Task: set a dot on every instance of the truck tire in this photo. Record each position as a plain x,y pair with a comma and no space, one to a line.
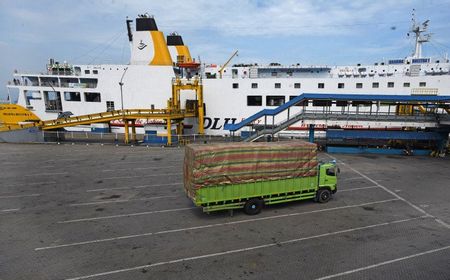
323,195
253,206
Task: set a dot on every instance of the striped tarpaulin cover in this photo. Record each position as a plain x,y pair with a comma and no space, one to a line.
234,163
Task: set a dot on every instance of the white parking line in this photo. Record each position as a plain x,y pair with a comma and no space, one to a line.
125,215
133,187
143,162
29,184
138,168
9,210
355,189
213,225
351,178
394,194
19,196
383,263
267,245
140,176
121,200
47,174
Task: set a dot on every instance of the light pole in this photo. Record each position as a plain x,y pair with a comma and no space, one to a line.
121,85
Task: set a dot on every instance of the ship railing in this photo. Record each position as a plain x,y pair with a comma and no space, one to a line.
118,138
340,115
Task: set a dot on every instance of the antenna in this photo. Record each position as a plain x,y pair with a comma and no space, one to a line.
420,38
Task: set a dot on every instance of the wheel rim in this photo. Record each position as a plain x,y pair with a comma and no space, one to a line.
324,196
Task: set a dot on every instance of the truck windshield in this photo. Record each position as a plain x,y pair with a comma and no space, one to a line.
331,172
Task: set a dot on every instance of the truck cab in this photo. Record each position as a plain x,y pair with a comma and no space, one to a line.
328,176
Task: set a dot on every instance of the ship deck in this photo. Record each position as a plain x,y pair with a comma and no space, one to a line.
107,212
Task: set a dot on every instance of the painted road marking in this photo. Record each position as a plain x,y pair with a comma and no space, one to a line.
9,210
263,246
47,174
355,189
351,178
143,162
19,196
139,168
30,184
126,215
133,187
395,194
121,200
140,176
214,225
383,263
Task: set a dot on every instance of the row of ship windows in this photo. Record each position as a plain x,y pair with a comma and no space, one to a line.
68,96
278,100
95,72
88,96
340,85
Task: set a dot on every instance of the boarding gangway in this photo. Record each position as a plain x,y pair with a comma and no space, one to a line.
432,112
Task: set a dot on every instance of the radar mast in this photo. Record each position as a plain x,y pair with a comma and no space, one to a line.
420,38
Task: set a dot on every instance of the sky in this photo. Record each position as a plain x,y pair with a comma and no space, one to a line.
325,32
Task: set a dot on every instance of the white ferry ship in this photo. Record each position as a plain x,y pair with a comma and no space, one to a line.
231,93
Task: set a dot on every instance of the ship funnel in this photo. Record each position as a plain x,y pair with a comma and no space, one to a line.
178,51
148,46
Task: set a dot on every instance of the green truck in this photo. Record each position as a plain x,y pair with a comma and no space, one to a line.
230,176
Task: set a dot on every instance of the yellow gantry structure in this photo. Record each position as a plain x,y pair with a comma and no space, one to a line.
13,116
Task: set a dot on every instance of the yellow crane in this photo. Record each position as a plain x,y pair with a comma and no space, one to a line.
226,63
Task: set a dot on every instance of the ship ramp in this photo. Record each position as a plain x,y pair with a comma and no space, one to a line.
14,117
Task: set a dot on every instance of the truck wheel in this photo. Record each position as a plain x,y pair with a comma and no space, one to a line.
253,206
323,195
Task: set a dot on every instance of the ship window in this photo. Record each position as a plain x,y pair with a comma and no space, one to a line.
341,85
254,100
72,96
289,73
320,85
277,85
274,74
235,85
274,100
254,85
390,84
359,85
406,84
87,71
110,106
361,103
422,84
92,97
341,103
52,101
95,72
297,85
301,103
375,85
77,70
88,83
31,94
322,103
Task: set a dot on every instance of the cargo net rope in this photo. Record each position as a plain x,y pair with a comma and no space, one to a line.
237,163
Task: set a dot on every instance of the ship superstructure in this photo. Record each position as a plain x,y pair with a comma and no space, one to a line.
231,93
